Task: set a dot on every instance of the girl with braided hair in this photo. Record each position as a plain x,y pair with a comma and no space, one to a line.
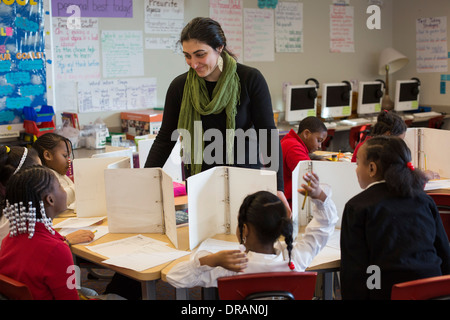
262,219
34,253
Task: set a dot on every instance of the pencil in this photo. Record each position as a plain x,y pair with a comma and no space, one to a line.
306,196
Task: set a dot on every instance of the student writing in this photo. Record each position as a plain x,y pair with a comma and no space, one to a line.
262,220
393,224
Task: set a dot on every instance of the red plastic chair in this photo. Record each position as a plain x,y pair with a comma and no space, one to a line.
327,141
442,201
14,290
436,122
278,285
358,133
423,289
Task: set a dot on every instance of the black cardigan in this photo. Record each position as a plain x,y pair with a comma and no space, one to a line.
254,111
404,237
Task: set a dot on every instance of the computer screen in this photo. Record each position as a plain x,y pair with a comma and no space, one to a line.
301,101
407,95
370,94
336,100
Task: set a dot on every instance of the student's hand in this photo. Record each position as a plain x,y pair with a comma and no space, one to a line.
233,260
283,199
431,175
313,187
80,236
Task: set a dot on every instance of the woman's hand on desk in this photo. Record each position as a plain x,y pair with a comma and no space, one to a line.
233,260
80,236
431,175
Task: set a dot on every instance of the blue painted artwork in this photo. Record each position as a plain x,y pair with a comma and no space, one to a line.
22,59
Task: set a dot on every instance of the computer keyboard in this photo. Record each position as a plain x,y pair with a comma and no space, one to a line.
355,121
330,125
426,114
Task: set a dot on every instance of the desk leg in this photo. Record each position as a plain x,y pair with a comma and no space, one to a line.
328,286
181,294
148,290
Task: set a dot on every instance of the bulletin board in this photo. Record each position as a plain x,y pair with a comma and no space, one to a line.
23,77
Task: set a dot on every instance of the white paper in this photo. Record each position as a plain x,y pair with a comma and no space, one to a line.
213,245
99,231
431,44
78,222
123,53
342,29
437,184
259,35
164,17
289,27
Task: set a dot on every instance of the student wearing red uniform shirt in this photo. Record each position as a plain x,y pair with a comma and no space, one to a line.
34,253
296,147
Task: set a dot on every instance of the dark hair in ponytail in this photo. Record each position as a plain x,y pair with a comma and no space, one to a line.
392,155
388,121
265,212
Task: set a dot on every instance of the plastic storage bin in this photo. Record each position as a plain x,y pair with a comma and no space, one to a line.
44,115
38,129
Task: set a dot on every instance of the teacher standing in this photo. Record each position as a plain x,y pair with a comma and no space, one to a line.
217,93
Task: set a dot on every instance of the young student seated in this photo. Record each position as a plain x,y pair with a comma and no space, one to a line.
393,225
34,253
262,220
12,160
390,123
296,147
55,153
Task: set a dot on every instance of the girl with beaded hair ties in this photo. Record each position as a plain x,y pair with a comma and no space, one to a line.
34,253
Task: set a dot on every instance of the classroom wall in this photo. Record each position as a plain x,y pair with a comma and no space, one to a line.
315,61
406,12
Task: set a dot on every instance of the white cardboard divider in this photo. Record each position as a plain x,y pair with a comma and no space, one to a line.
88,174
215,195
339,176
430,149
116,152
140,201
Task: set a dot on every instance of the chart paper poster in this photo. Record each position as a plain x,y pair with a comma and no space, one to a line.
342,29
93,8
229,14
259,35
431,44
289,27
164,17
22,59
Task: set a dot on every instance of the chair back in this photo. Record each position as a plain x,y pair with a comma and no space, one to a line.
423,289
358,134
14,290
275,285
442,201
436,122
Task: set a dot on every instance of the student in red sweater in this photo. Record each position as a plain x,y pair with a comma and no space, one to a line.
34,253
296,147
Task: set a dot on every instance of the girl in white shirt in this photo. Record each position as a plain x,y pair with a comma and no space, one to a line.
262,220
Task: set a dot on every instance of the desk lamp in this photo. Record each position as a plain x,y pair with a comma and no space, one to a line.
390,61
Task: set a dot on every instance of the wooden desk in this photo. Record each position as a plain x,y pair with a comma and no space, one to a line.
147,277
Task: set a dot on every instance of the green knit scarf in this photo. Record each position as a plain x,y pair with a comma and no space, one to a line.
196,102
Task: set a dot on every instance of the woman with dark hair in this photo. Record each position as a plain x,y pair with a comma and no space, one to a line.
392,226
262,220
221,96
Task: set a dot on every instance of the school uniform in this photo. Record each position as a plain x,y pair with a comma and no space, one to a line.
294,150
403,237
40,262
189,274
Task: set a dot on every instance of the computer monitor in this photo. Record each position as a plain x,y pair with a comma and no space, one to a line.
301,102
370,94
336,100
407,95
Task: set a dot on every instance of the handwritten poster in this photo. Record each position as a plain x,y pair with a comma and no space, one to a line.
94,8
164,17
22,60
259,35
342,29
115,95
289,27
76,52
122,53
229,14
431,44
